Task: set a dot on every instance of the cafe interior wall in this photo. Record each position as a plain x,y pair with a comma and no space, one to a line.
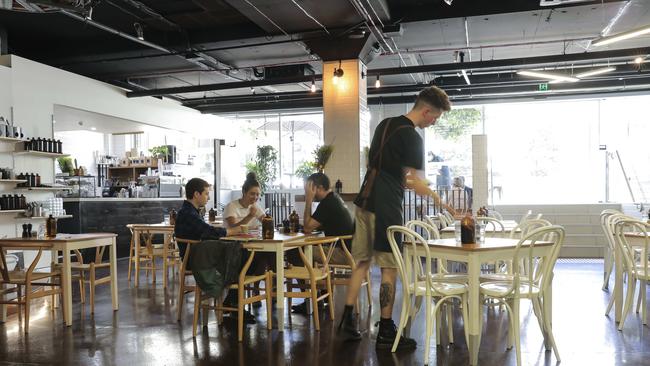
31,90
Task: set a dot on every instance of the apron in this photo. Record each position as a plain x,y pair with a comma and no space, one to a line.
388,197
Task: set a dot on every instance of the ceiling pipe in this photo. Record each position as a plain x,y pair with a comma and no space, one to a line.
529,62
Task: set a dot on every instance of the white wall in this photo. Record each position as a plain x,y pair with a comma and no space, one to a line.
81,145
32,89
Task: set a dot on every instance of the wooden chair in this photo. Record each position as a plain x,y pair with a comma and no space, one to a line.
28,279
311,274
184,288
132,249
341,273
81,268
245,283
150,252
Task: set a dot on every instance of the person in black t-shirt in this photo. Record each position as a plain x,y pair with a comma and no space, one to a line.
396,155
331,216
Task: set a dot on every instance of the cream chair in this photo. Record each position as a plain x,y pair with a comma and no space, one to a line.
608,254
635,262
532,286
422,283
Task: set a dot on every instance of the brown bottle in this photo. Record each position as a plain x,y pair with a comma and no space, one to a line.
294,222
267,227
212,215
467,229
50,227
172,217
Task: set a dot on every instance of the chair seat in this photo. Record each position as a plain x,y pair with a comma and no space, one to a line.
640,273
86,266
452,277
503,289
438,288
19,277
302,273
498,277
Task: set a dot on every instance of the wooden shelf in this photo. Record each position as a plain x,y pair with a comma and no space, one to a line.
133,167
44,188
11,211
11,139
43,217
12,181
41,153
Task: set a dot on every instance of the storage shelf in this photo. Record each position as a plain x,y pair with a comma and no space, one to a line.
133,167
41,153
44,188
42,217
12,181
11,139
11,211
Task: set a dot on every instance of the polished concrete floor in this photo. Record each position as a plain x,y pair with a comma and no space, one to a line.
145,332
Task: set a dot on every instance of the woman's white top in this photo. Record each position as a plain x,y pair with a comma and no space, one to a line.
236,210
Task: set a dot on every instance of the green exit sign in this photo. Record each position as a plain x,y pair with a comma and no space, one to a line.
543,87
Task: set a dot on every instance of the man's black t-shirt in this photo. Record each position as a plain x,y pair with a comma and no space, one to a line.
334,218
403,149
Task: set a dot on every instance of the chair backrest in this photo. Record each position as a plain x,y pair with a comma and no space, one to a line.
632,258
432,220
318,243
517,232
415,240
494,213
525,216
494,227
449,216
530,225
423,227
188,244
4,271
444,220
536,269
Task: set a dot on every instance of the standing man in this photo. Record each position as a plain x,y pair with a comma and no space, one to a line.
396,154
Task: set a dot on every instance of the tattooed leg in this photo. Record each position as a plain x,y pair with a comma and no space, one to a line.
387,292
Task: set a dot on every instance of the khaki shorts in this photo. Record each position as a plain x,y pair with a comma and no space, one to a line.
363,241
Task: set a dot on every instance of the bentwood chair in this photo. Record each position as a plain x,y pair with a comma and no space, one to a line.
608,254
422,283
532,285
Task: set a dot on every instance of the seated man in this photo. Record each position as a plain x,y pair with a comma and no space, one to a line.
331,216
190,225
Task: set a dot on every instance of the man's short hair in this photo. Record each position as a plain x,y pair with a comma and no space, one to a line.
195,185
434,97
320,180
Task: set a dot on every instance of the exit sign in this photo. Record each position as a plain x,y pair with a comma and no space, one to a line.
543,87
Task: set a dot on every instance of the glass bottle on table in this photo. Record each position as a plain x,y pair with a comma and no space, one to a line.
267,226
50,227
468,229
294,222
172,217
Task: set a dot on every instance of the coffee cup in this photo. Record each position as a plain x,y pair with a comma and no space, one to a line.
244,229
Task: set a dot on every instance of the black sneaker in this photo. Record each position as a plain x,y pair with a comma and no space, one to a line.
300,308
248,317
348,326
386,337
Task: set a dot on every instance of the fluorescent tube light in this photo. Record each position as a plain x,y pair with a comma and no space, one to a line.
546,75
466,77
621,36
594,72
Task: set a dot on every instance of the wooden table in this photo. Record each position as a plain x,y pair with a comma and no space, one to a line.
474,254
277,246
65,243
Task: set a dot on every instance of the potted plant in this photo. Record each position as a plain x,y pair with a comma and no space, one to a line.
322,155
66,166
159,152
265,165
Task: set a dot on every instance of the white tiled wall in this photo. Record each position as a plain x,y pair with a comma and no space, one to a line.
584,236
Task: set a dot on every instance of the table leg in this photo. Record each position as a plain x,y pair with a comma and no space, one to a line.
474,328
618,285
67,287
279,285
166,242
113,260
136,254
3,307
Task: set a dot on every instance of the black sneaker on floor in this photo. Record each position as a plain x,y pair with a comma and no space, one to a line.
386,337
248,317
299,309
348,327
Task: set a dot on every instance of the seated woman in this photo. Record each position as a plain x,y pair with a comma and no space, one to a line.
245,210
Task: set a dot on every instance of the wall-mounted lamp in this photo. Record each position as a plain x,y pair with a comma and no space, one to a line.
338,73
138,31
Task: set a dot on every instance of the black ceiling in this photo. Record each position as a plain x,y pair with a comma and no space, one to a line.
210,35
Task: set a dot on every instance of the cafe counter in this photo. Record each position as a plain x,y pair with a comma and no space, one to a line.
91,215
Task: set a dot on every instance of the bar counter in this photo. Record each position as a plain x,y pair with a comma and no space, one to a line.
91,215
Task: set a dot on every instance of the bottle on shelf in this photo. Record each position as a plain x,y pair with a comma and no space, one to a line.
50,227
468,229
25,232
212,215
59,147
37,180
39,144
22,202
294,222
339,186
172,217
267,226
